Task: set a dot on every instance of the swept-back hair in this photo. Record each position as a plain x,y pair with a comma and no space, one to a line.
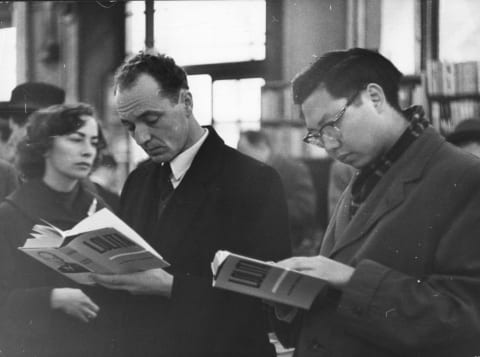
161,67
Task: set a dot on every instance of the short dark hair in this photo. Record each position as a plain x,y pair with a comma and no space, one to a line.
161,67
345,72
42,126
255,138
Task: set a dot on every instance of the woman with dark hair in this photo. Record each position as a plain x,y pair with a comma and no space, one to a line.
43,313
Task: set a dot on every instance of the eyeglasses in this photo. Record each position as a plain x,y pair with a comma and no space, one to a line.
329,133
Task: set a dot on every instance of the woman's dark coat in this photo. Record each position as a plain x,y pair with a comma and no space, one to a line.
28,326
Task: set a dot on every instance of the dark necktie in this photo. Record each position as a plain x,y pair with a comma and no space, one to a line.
166,188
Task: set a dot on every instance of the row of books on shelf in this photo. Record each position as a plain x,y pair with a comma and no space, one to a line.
277,102
288,141
446,116
411,95
448,78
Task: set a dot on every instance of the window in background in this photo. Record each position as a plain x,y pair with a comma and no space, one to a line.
237,107
398,38
459,37
203,32
201,89
222,38
8,66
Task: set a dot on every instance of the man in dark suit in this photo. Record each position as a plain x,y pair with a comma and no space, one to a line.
401,254
194,197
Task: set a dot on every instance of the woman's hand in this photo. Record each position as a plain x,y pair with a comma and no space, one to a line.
74,303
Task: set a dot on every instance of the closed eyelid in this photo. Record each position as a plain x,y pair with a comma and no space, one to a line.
150,116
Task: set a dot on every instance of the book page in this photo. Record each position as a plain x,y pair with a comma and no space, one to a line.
115,252
107,219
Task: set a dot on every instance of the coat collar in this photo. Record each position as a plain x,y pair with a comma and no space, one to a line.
388,194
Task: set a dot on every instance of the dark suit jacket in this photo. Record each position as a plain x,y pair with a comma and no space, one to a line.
415,246
8,179
225,201
28,325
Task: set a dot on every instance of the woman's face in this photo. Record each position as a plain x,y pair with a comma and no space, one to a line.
71,156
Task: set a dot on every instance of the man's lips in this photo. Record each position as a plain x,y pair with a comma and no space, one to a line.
154,151
342,157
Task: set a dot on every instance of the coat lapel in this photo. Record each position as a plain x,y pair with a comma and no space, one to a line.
390,191
338,222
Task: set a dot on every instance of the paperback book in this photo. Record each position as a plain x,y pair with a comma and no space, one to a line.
101,243
265,280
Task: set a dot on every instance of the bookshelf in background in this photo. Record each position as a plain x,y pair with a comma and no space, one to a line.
280,120
453,93
411,91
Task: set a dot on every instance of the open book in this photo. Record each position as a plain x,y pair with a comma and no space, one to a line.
101,243
265,280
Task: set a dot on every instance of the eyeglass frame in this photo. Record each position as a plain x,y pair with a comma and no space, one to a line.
315,136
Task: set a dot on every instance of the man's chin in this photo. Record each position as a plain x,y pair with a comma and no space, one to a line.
159,158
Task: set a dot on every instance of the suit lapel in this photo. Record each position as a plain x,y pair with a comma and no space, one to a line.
391,189
339,222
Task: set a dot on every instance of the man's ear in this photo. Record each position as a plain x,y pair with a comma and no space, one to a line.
377,96
187,99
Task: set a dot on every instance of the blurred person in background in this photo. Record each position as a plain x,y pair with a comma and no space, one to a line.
43,313
467,136
5,133
25,99
298,186
8,179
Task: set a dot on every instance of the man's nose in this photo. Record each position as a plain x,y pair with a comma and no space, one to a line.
141,134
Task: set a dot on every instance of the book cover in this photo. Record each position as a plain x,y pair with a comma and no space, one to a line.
264,280
101,243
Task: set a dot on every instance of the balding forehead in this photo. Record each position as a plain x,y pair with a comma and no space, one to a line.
134,101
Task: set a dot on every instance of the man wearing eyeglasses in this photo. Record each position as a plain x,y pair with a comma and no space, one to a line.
401,255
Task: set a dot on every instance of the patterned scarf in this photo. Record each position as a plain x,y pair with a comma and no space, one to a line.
367,178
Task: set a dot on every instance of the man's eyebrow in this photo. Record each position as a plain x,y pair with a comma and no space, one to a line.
148,112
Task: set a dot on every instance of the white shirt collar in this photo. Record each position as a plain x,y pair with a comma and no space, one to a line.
182,162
